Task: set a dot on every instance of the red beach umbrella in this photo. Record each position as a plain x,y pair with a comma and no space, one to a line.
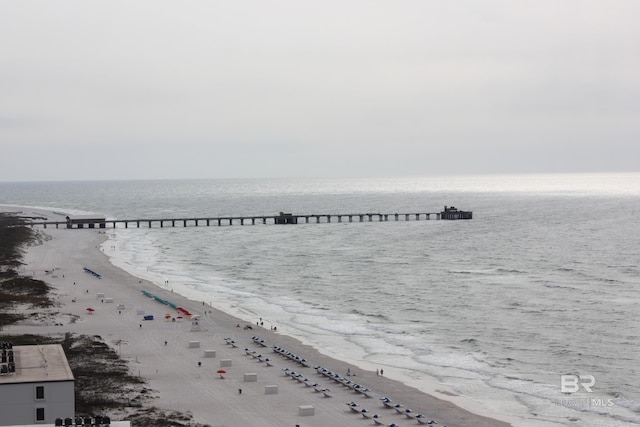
90,310
221,371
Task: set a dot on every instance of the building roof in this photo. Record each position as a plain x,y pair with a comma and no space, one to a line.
38,363
113,424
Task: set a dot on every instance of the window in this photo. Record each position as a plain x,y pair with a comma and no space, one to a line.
40,392
39,414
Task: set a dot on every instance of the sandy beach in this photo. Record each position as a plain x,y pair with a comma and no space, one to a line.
181,362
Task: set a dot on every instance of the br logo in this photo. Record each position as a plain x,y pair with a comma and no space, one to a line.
572,383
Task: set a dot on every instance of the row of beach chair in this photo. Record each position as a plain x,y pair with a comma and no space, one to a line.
420,418
231,342
347,382
291,356
344,381
377,419
326,392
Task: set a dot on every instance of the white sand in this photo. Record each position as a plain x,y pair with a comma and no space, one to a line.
172,369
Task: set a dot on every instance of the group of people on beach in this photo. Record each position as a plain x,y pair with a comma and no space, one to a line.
258,323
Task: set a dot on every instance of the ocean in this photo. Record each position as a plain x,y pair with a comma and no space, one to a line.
530,309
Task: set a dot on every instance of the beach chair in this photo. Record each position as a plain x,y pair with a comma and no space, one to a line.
362,390
399,408
421,419
353,406
377,420
365,413
267,362
316,388
388,403
409,413
326,392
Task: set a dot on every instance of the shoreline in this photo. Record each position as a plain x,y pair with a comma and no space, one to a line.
185,386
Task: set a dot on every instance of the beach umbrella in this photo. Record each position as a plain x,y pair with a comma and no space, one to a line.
90,310
221,371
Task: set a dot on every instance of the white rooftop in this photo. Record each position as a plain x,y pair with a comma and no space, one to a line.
113,424
38,363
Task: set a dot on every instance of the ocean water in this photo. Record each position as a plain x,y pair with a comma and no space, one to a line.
543,282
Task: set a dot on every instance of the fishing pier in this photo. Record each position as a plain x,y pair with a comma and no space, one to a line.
449,213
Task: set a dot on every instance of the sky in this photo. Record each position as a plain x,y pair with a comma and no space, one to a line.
157,89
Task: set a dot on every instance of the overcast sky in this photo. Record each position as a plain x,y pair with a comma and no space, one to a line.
292,88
